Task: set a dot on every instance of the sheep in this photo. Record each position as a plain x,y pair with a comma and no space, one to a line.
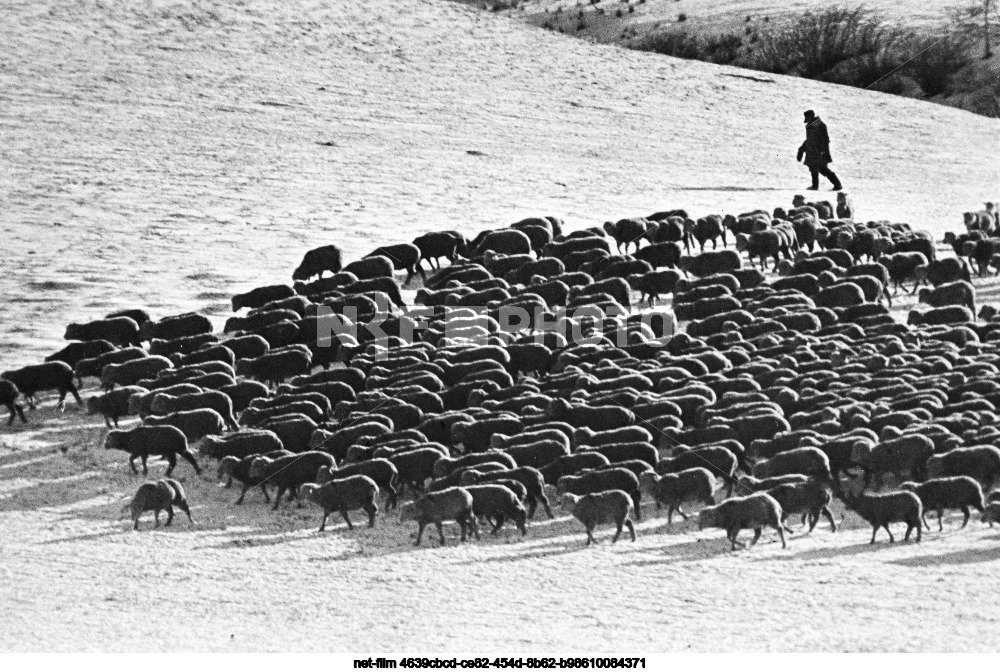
404,256
754,512
78,350
618,288
612,478
902,266
218,401
182,345
437,244
620,452
142,442
810,498
979,462
610,506
585,436
259,296
112,405
956,492
951,269
705,308
416,466
8,397
241,394
343,495
140,404
662,254
707,263
573,463
841,295
708,228
92,366
720,461
529,477
763,244
176,326
196,423
131,372
808,461
537,454
379,469
941,316
750,484
238,468
314,263
959,293
696,484
627,232
120,331
890,507
451,504
162,495
497,503
992,513
597,418
30,380
475,436
274,367
243,443
290,472
446,465
140,316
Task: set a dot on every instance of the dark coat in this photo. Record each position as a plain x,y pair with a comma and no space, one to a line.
817,145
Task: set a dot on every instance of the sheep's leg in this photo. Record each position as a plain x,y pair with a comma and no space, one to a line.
940,513
145,469
131,463
784,518
441,531
498,524
967,513
618,532
350,526
136,526
637,504
322,524
631,528
829,516
757,531
107,422
590,534
474,526
76,395
874,530
781,534
184,507
61,405
420,532
371,510
170,516
681,511
31,401
156,514
545,504
277,499
892,539
267,498
171,463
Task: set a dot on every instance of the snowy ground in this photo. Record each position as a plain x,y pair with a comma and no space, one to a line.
169,154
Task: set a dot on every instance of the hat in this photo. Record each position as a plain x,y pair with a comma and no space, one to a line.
810,115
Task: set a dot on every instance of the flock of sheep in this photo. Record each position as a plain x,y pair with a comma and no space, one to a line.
525,365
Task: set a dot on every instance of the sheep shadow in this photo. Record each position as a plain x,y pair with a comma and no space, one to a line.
91,536
841,551
699,549
534,553
966,557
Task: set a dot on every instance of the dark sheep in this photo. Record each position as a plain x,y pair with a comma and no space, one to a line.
941,316
573,463
497,504
597,418
902,266
379,469
132,371
951,269
659,255
705,308
620,452
764,244
30,380
590,482
451,504
258,296
890,507
183,345
196,424
938,494
289,473
529,477
112,405
611,506
276,366
120,331
808,461
343,495
416,466
93,366
672,490
8,397
74,352
475,436
163,495
140,316
220,402
243,393
438,244
753,512
960,293
708,228
627,232
314,263
811,498
979,462
238,469
143,442
707,263
176,326
241,444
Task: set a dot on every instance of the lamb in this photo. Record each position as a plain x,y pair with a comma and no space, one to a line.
696,484
259,296
195,424
530,478
315,262
274,367
497,504
959,293
162,495
290,472
238,468
754,512
451,504
131,372
176,326
890,507
76,351
343,495
379,469
611,506
112,405
810,498
589,482
979,462
956,492
404,256
241,444
218,401
8,397
30,380
120,331
142,442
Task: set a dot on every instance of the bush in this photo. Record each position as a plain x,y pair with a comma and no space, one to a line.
935,61
671,43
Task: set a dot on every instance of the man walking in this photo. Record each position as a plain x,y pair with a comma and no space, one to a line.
816,150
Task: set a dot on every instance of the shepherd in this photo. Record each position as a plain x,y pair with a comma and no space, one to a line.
816,150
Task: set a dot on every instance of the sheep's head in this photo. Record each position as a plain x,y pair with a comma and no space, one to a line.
470,477
258,467
306,490
161,404
861,451
742,242
991,514
225,466
93,405
569,502
798,200
648,481
949,238
968,248
707,517
409,512
924,296
610,228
